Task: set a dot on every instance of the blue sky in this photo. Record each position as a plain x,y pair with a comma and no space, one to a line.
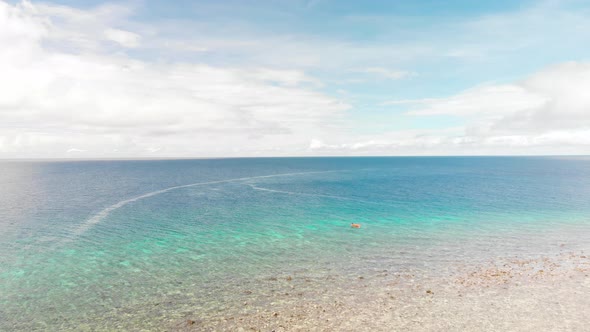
265,78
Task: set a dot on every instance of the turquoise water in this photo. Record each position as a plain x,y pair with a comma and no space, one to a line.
91,244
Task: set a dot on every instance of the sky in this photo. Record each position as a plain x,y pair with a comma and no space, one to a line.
161,79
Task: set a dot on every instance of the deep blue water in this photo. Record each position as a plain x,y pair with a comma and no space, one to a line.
82,241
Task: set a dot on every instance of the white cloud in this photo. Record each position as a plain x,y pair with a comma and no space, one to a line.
484,100
553,99
70,79
565,87
460,143
549,110
125,38
546,113
58,90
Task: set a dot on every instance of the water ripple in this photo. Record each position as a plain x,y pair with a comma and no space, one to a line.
97,218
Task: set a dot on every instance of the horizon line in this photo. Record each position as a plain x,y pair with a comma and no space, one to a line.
287,157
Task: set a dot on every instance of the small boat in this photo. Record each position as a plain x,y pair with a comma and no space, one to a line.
353,225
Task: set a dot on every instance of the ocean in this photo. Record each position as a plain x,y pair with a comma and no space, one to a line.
203,244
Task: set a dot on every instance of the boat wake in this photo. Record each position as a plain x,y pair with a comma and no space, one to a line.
309,194
281,191
97,218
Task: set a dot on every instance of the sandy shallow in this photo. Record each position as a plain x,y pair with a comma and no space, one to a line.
549,293
509,294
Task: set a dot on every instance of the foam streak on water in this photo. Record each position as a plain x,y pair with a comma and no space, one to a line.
308,194
97,218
